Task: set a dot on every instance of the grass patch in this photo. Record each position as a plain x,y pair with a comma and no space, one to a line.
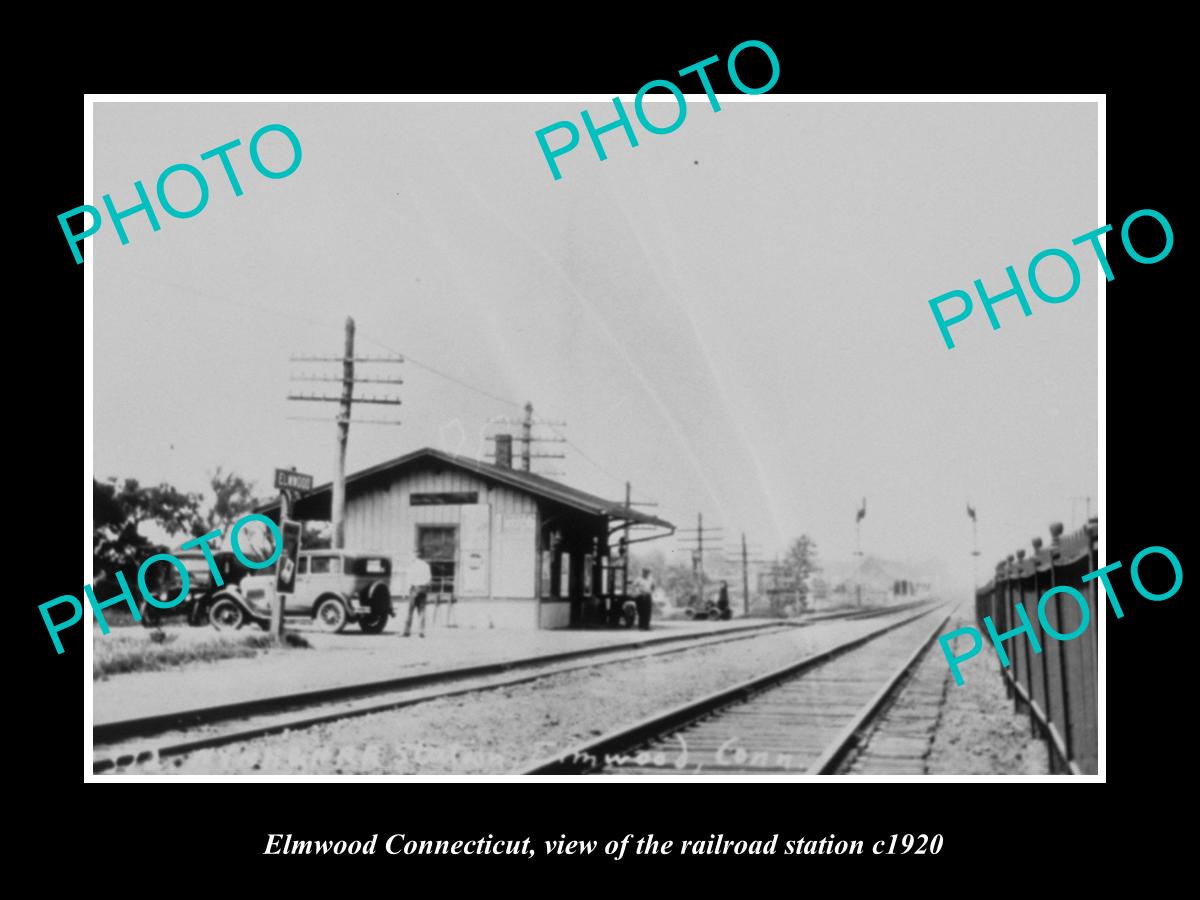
157,649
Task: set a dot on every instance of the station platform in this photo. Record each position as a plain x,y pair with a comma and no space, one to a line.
351,658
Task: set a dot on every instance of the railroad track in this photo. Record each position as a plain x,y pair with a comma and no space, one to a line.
130,741
802,718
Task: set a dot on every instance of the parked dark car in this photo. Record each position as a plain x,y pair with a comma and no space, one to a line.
165,583
333,588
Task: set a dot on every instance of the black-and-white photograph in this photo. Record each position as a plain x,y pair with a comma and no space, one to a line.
477,438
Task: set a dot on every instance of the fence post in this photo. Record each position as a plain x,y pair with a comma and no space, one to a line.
1056,552
1091,673
1033,722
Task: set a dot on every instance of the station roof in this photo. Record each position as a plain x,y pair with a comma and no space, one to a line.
538,485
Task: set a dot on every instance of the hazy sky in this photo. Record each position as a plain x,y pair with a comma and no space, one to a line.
733,316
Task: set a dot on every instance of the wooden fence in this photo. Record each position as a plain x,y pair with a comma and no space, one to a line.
1057,687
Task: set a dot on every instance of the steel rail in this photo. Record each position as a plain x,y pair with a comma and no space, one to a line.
146,726
590,756
827,763
436,684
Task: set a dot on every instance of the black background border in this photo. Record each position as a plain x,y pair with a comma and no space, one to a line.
1146,474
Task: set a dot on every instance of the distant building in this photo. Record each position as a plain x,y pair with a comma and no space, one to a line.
872,580
513,549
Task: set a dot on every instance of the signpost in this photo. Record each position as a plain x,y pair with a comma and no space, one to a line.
285,569
291,485
285,573
290,479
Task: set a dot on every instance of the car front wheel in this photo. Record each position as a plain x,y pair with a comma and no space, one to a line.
330,615
226,614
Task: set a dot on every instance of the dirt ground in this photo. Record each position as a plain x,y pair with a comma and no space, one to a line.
978,732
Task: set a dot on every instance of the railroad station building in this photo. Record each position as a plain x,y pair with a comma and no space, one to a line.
510,548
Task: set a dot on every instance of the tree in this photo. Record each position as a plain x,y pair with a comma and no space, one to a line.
316,536
120,507
820,590
800,563
233,497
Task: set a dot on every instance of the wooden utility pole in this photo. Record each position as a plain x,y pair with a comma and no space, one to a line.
285,513
698,551
345,402
745,579
625,539
527,437
1088,515
745,560
626,529
527,440
338,514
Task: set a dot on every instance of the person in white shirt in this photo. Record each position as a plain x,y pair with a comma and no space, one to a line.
643,594
419,578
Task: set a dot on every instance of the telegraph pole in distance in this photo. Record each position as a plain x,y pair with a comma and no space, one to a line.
528,440
338,515
698,551
526,436
745,579
625,540
1088,500
278,600
630,503
745,561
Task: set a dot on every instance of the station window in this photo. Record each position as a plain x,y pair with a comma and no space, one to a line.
438,546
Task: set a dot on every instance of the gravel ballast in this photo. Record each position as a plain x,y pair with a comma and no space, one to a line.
496,731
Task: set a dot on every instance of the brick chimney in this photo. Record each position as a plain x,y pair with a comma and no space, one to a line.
504,451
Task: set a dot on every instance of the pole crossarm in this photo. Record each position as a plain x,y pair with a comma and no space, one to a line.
343,359
341,380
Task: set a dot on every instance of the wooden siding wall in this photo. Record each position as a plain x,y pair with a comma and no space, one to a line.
380,518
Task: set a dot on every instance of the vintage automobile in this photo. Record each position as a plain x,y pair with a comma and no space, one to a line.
201,586
333,588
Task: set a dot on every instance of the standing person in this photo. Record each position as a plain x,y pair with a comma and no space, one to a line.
643,593
723,611
419,578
